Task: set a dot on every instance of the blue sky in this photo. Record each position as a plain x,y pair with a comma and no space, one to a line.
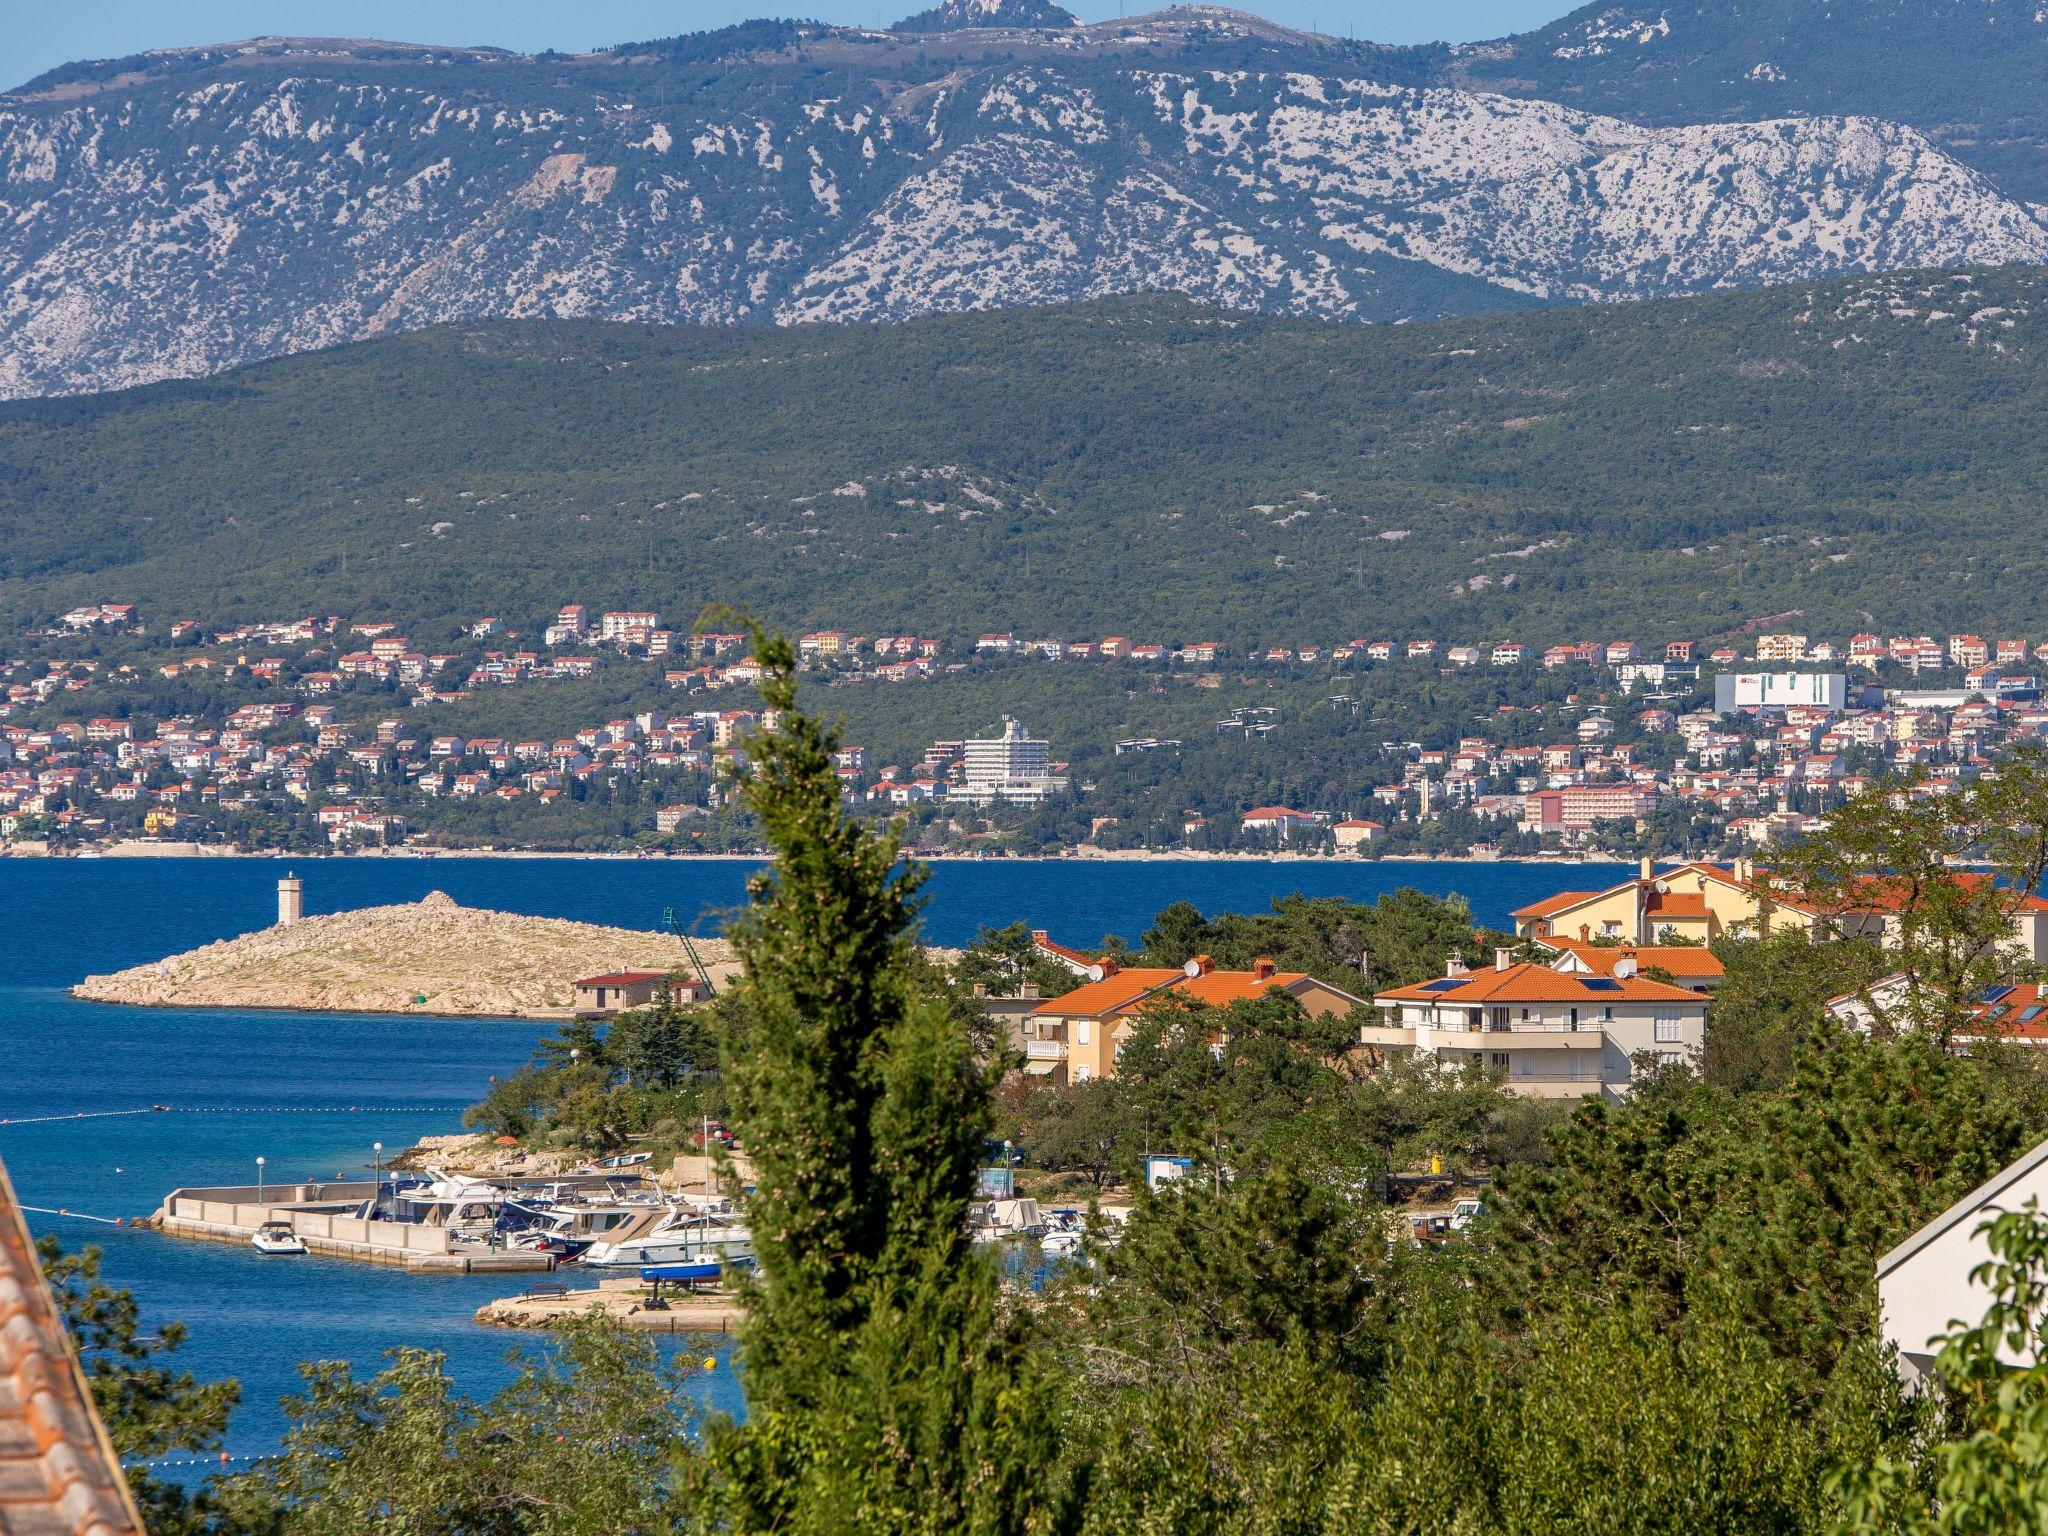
41,33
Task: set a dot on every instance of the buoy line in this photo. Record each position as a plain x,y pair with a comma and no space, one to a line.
240,1109
45,1210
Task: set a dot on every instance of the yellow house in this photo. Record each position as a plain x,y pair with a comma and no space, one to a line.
1690,903
1076,1036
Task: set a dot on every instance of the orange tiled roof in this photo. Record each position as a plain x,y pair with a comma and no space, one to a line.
1527,982
1558,903
1678,959
1676,904
58,1472
1128,990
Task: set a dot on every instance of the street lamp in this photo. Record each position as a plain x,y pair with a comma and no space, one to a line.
259,1181
377,1162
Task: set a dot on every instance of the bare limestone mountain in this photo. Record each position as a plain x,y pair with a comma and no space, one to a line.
179,213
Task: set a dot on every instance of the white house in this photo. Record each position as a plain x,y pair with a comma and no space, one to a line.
1556,1034
1924,1287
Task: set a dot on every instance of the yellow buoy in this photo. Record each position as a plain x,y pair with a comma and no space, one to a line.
710,1362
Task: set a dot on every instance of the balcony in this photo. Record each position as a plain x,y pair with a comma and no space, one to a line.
1045,1050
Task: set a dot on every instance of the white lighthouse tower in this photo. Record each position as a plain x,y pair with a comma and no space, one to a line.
291,900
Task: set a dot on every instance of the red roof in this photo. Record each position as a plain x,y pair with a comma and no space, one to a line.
621,978
1557,903
1678,959
58,1472
1527,982
1128,990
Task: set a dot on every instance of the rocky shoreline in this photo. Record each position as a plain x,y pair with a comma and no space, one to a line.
431,956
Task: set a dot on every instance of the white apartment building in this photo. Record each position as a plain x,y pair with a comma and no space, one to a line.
1014,767
1555,1034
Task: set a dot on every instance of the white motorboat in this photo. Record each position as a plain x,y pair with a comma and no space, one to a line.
992,1221
277,1237
682,1237
467,1207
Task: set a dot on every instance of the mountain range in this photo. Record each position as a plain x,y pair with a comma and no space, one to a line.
177,213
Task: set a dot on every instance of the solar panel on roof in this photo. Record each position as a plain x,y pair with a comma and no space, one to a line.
1600,984
1994,994
1445,984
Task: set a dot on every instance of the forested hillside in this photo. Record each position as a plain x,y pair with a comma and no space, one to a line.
1861,452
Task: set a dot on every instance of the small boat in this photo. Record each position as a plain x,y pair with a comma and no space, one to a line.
277,1237
683,1237
1062,1243
995,1220
687,1274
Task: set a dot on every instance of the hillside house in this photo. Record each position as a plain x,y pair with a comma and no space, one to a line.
1554,1034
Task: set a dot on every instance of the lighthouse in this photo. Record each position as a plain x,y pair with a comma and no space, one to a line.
291,900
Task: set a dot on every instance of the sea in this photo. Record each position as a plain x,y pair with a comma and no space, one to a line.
85,1142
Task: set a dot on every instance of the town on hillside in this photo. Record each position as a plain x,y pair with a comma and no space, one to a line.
618,730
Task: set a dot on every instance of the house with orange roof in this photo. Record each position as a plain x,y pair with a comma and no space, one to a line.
1693,903
1077,1036
1551,1033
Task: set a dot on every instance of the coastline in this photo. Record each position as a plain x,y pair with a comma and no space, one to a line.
146,853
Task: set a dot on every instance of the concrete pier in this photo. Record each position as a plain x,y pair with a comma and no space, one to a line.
322,1216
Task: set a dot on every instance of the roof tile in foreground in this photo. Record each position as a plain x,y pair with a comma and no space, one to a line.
58,1472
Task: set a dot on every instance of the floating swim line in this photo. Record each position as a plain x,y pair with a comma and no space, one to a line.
44,1210
240,1109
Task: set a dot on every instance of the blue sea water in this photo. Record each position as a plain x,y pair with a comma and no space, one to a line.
311,1093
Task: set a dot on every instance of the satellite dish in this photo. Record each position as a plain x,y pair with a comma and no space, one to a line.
1661,887
1096,972
1191,968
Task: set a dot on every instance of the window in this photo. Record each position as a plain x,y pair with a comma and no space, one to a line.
1610,930
1082,1072
1084,1032
1607,1014
1574,1019
1668,1027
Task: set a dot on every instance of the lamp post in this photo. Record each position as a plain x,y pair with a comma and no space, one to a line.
259,1182
377,1162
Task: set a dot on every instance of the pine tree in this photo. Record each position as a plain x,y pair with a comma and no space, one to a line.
888,1387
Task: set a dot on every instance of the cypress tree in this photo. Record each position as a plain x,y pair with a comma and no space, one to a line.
889,1387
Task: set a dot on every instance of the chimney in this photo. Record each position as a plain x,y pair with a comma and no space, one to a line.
1455,965
1039,935
1029,989
1263,969
1201,965
1745,869
1649,868
1107,965
1585,933
1503,958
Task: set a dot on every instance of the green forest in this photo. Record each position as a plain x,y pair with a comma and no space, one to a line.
1860,452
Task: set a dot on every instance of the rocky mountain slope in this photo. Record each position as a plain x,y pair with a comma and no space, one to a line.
179,213
1968,73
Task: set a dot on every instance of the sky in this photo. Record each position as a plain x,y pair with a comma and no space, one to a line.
40,34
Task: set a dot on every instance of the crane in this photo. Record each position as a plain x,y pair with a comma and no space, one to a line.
674,925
